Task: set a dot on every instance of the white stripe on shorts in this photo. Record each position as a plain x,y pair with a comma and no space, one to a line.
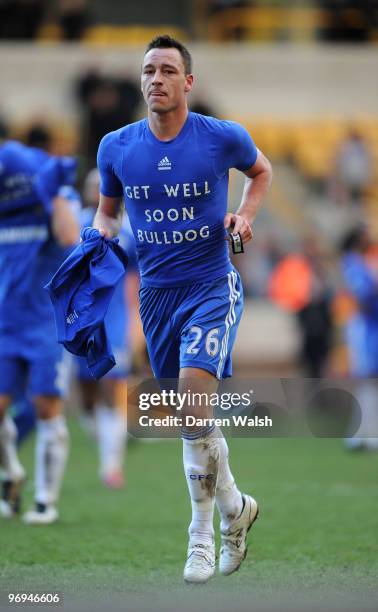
229,320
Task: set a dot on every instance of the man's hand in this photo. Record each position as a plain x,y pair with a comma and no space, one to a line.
108,218
107,226
238,225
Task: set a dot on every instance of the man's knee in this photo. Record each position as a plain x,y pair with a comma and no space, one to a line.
48,406
5,401
197,412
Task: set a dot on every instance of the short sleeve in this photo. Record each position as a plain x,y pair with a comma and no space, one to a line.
238,151
110,185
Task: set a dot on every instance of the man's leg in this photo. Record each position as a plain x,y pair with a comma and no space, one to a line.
112,431
228,498
13,473
366,436
201,465
51,453
207,339
210,480
237,511
104,406
89,391
48,382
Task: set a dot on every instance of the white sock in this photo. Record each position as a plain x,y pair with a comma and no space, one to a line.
228,497
201,461
111,433
10,463
52,446
367,396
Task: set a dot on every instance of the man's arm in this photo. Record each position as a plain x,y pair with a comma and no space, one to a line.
64,224
108,218
259,178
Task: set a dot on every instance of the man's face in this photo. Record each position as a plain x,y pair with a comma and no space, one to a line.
164,83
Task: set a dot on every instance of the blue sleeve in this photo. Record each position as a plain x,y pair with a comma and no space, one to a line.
110,185
54,174
238,150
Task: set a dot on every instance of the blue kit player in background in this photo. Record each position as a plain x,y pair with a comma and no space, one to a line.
104,401
360,271
172,171
37,229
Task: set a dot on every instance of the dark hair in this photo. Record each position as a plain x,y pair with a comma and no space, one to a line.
354,240
167,42
38,136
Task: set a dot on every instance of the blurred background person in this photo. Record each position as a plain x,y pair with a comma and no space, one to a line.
104,402
37,229
299,284
353,169
22,409
315,317
359,264
107,102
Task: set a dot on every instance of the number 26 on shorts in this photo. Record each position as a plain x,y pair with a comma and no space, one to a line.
211,341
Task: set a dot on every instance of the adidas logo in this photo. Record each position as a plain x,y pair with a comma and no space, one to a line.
164,164
71,317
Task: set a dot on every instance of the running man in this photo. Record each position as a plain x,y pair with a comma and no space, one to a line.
36,233
172,170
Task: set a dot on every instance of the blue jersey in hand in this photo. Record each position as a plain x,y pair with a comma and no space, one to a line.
117,317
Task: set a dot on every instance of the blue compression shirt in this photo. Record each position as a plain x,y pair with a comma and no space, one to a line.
176,194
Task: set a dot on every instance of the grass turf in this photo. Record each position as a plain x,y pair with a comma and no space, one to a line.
314,545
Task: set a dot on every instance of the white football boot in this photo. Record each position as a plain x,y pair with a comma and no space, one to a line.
6,509
200,564
234,539
41,515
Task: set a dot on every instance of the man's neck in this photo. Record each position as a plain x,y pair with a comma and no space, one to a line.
166,126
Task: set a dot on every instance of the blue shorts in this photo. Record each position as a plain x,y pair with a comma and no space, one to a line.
192,326
36,377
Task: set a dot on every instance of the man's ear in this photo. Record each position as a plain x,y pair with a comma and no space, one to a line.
188,83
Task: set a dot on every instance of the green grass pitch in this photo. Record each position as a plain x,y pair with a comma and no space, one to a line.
313,547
